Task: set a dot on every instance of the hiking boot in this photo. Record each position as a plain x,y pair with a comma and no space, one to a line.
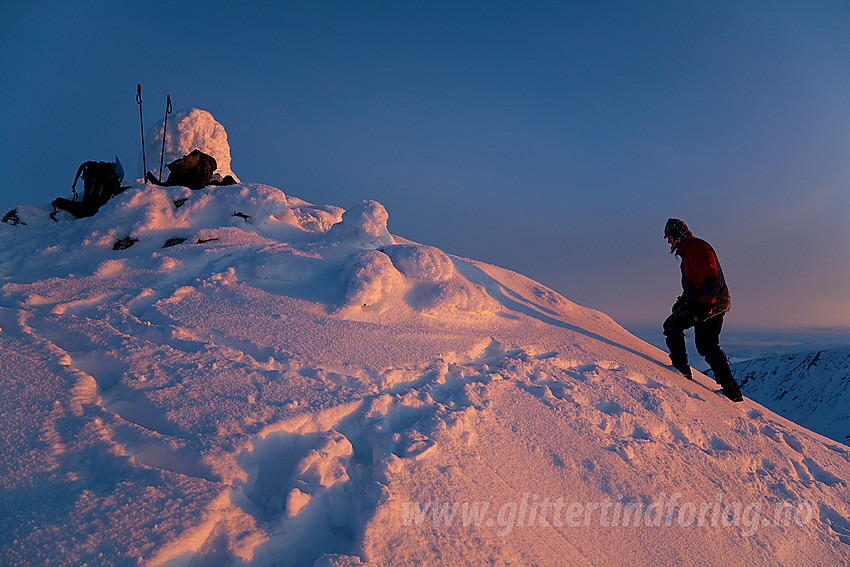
684,371
733,392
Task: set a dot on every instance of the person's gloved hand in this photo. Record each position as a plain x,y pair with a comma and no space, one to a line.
702,311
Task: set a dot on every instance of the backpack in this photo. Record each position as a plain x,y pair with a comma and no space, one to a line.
193,171
101,182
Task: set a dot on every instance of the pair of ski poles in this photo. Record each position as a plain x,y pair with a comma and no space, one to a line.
142,125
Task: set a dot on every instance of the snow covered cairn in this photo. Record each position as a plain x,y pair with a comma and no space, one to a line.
187,130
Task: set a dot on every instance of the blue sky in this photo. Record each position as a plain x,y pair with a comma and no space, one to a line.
551,138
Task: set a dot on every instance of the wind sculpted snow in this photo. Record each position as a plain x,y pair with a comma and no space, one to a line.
291,384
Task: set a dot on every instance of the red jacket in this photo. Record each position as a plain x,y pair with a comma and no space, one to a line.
702,277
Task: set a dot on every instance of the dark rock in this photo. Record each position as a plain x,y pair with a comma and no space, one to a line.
173,242
124,243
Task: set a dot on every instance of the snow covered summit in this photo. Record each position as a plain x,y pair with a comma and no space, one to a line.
252,379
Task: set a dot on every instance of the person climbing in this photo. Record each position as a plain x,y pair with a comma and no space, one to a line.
702,305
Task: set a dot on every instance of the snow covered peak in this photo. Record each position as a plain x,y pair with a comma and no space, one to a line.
235,376
809,388
187,130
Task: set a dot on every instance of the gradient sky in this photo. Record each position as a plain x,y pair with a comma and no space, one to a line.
551,138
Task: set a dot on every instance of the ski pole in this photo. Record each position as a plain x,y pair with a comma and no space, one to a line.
164,125
142,126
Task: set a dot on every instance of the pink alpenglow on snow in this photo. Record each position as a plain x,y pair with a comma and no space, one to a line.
294,385
186,130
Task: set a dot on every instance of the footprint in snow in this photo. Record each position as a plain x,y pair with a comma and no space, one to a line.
540,391
271,466
695,396
768,431
768,465
793,442
413,445
641,433
802,472
545,355
624,451
719,444
782,491
677,434
643,380
836,522
820,474
753,413
611,408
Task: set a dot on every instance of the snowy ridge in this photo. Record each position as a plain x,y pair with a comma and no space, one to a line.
258,380
810,388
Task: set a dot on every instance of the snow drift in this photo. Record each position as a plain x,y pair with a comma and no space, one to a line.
258,380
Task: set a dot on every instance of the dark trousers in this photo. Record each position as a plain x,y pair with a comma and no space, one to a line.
707,339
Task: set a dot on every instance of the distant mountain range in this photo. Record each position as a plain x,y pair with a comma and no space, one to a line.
810,388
